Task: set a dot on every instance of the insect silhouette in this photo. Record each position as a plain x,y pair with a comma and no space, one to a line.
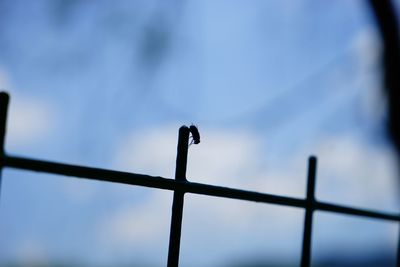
195,134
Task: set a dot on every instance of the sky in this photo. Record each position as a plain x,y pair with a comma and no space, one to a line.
268,83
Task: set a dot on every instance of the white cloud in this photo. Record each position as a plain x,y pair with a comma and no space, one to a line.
356,173
367,50
150,151
367,47
30,119
31,252
138,224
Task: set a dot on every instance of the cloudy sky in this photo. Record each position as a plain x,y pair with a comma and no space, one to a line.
268,83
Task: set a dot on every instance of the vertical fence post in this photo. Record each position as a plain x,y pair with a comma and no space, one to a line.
177,204
4,99
308,219
398,247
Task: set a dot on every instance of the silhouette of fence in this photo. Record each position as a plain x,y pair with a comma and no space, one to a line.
180,185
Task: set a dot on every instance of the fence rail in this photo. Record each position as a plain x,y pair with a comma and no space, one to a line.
180,185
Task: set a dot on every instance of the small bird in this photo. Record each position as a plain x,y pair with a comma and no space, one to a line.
195,134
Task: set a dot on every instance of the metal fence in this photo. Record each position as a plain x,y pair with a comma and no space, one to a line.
180,185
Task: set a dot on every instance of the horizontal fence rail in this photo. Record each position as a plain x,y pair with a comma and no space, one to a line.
180,186
158,182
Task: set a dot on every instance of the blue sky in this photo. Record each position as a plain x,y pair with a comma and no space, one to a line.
267,82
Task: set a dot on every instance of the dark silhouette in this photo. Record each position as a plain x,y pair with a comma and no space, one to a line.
177,203
308,218
388,26
195,134
4,99
180,185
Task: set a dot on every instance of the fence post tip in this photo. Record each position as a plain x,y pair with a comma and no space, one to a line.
4,96
183,128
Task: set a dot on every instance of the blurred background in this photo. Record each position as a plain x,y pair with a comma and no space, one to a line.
268,83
